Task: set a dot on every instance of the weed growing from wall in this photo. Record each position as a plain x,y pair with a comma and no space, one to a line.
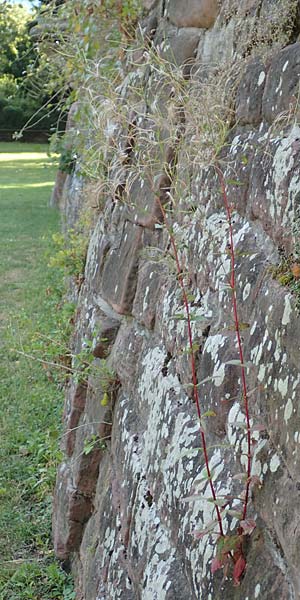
71,254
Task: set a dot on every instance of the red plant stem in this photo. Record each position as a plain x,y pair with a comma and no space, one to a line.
193,364
238,336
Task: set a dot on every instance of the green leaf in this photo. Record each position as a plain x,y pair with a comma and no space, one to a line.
209,413
178,317
197,318
240,477
234,513
242,326
105,399
199,534
234,182
195,498
207,379
237,363
191,297
218,502
228,543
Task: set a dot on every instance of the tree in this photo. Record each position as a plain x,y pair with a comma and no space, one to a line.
16,45
23,95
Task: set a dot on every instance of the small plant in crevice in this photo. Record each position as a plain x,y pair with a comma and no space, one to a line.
88,370
67,161
71,254
92,443
287,273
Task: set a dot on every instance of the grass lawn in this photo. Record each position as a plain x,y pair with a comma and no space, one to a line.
31,401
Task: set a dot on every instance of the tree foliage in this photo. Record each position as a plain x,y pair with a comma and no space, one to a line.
16,46
23,97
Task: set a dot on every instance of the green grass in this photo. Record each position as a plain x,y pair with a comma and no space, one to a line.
31,401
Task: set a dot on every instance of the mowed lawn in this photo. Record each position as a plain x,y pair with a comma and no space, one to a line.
31,401
26,179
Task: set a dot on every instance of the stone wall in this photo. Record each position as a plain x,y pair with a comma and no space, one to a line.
120,517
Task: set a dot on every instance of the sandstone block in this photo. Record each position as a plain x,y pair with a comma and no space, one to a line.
57,191
119,276
106,335
250,94
281,91
148,288
74,406
70,511
148,4
273,181
193,13
179,46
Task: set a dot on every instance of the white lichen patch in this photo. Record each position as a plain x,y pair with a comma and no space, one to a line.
235,145
253,328
151,456
288,411
274,463
152,539
284,68
261,373
283,386
212,346
246,291
256,466
283,163
256,354
145,299
287,310
261,79
257,591
235,417
279,86
159,394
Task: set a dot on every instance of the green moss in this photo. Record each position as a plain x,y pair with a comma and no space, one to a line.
284,275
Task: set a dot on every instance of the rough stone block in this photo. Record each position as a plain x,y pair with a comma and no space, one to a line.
98,248
193,13
74,406
126,352
273,186
119,276
85,468
106,336
57,192
70,511
148,288
148,4
250,94
281,93
179,46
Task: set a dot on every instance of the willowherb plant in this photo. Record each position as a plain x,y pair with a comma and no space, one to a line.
230,547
